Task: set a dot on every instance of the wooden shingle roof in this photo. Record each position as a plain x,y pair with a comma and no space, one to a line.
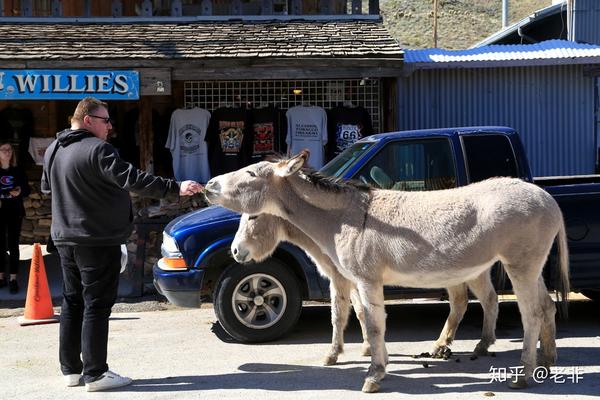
196,40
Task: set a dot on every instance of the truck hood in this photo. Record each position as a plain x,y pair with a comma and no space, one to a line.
202,217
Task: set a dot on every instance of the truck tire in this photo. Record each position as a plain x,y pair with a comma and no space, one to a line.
257,302
592,294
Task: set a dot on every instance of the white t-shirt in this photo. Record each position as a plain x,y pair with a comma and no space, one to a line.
186,142
307,129
37,148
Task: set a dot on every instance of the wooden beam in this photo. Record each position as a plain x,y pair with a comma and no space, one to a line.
176,8
146,134
117,8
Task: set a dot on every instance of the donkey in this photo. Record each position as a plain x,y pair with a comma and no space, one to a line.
420,239
257,238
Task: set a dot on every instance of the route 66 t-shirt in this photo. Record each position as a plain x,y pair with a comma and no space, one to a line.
186,141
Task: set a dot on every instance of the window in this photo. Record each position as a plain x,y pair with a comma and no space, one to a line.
488,156
411,165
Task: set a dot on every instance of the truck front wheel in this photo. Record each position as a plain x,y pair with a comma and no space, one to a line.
257,302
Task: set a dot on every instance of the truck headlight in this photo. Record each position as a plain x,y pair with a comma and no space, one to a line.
169,246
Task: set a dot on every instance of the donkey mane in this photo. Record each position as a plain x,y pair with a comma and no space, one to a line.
329,184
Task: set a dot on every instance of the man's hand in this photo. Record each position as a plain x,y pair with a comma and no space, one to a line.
188,188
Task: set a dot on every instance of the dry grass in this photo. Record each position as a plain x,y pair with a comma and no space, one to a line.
461,23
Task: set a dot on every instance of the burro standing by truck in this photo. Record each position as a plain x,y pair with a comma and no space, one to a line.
197,265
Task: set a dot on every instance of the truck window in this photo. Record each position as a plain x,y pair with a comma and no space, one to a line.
488,156
411,165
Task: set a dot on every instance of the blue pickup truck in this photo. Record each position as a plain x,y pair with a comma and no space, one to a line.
197,265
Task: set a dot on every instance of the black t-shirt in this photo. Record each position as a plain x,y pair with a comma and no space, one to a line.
9,179
268,133
345,126
229,140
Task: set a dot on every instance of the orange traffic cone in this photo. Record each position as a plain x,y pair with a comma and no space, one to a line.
38,306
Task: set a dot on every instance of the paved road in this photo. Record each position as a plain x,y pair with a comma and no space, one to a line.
183,354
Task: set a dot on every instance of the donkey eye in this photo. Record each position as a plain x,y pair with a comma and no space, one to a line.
252,174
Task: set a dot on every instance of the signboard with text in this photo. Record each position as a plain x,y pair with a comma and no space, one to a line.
51,84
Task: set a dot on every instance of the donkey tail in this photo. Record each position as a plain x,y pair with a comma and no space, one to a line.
562,287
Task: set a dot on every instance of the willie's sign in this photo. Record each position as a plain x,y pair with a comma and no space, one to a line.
49,84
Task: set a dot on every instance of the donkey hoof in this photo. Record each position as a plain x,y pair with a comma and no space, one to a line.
366,350
480,350
370,386
442,352
519,383
330,359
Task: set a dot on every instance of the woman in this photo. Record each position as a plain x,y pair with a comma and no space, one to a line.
13,188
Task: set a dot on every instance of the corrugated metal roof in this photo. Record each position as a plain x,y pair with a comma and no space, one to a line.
196,40
551,51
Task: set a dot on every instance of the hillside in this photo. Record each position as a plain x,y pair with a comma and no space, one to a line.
461,23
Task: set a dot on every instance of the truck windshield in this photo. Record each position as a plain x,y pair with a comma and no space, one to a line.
346,159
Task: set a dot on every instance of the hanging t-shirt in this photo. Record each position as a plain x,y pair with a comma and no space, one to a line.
268,132
346,125
229,139
307,129
186,141
37,148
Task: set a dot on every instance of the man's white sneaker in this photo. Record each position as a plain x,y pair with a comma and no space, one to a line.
72,379
108,380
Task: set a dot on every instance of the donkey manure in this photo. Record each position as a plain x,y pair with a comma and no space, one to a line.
425,365
474,357
457,360
424,355
489,394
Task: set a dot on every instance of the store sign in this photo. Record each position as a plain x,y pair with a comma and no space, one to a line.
50,84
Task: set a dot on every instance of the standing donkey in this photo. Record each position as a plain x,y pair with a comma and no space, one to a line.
257,238
420,239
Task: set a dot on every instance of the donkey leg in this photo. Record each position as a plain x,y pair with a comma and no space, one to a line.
458,299
340,311
360,315
526,288
371,295
548,331
483,289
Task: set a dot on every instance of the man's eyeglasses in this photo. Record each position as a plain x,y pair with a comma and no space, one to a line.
106,120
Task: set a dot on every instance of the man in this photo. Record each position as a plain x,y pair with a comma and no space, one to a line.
91,218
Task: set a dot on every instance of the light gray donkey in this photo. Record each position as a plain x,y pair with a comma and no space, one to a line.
257,238
419,239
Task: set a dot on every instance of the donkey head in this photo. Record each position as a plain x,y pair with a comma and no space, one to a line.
256,238
252,189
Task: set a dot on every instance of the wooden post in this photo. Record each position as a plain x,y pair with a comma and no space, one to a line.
117,8
176,8
146,134
57,8
435,25
356,6
207,7
52,121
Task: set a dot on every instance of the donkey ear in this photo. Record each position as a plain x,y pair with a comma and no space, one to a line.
291,166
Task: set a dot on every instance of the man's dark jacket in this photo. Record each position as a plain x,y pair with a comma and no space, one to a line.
90,188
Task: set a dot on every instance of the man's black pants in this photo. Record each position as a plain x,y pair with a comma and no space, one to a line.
90,283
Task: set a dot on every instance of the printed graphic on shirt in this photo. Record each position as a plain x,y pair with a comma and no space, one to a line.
191,136
6,185
346,135
264,138
307,131
231,134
